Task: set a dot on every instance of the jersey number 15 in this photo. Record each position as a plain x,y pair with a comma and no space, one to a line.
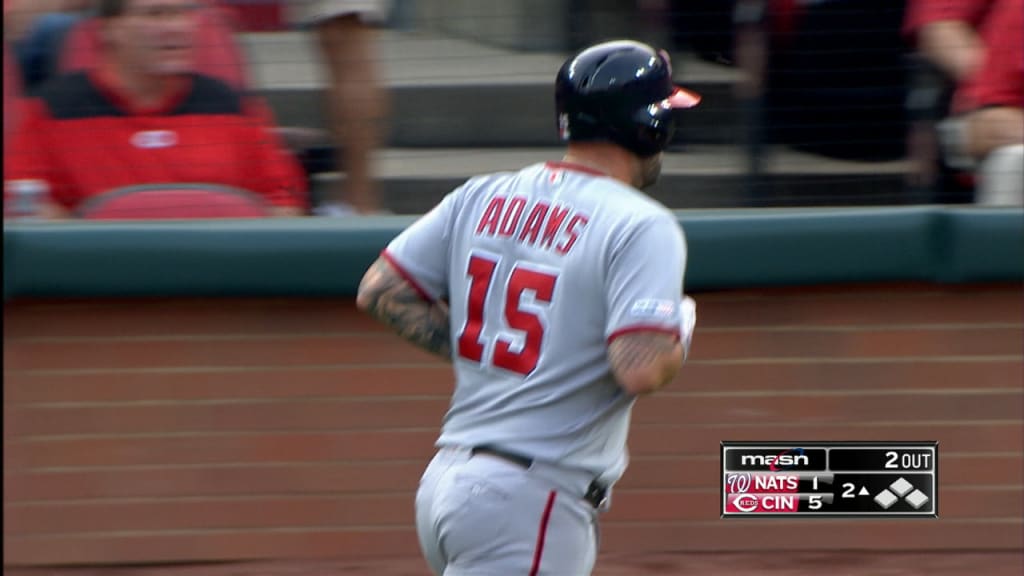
481,274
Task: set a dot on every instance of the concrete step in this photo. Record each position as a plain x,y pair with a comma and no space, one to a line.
449,92
413,180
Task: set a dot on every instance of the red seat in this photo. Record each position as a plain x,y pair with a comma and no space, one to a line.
216,53
173,201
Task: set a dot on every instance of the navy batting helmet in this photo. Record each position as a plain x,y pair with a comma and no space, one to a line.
620,91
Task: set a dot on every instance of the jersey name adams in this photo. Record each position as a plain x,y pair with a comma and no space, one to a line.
542,225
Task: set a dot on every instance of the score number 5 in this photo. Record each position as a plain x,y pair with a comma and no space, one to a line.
481,276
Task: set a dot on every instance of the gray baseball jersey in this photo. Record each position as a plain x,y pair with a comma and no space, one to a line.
542,269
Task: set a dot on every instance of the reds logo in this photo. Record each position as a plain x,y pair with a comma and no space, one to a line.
150,139
745,502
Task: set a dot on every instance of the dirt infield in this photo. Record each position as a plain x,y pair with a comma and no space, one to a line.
763,564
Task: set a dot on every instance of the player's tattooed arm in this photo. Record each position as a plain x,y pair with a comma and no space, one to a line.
387,296
643,362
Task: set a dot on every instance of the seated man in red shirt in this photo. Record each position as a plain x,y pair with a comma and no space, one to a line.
979,45
946,34
141,116
995,100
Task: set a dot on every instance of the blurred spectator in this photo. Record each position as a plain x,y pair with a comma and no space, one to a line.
945,33
976,45
219,56
217,53
949,51
357,101
141,116
995,97
36,30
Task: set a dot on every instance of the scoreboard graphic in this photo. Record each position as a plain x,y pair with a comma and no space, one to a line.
830,479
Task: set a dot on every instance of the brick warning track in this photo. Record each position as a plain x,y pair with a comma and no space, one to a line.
746,564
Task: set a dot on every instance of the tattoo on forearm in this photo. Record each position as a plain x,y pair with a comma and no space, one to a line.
638,350
398,305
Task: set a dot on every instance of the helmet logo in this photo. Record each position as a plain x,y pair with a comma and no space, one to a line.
563,126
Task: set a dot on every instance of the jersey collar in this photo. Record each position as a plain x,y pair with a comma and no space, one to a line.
104,78
553,165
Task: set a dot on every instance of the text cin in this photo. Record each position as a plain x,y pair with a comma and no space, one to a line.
764,503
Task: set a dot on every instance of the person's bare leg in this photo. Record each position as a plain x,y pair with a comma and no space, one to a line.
358,105
994,127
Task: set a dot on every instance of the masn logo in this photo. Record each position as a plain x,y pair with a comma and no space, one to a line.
770,459
776,462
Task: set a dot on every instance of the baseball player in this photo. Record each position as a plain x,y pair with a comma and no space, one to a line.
556,292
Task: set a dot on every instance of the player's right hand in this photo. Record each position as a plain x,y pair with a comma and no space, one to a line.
687,323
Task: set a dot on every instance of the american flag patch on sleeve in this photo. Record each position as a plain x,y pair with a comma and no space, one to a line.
653,309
